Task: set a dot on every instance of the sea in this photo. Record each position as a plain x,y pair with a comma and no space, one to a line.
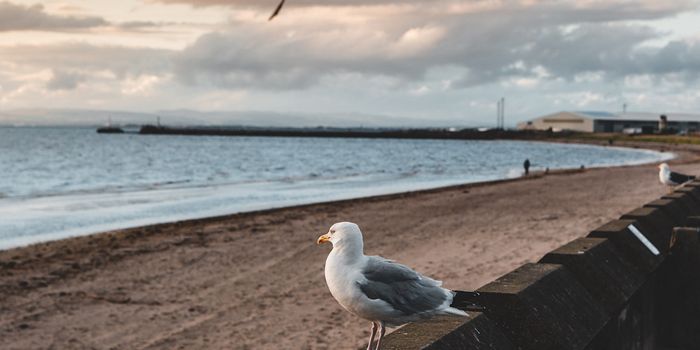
62,182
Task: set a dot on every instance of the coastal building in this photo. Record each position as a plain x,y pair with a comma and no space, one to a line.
630,122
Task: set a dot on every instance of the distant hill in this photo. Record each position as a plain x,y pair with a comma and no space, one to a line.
85,117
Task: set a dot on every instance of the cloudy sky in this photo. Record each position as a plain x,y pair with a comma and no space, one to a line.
440,61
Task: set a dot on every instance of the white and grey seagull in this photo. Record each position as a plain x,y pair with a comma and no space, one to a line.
380,290
671,178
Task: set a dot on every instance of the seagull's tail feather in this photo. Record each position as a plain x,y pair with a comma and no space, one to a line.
454,312
446,309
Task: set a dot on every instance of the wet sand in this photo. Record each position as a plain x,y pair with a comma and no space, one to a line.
255,281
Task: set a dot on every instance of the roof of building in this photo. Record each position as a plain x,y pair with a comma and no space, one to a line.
594,114
644,116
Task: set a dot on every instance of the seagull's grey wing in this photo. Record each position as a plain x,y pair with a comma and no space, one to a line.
402,288
680,178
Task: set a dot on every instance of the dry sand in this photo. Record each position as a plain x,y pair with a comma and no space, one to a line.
255,281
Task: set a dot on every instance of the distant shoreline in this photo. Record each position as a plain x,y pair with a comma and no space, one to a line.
419,133
603,139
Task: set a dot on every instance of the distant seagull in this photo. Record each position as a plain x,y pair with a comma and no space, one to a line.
670,178
380,290
277,10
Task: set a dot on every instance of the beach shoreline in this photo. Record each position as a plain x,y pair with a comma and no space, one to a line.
78,213
255,280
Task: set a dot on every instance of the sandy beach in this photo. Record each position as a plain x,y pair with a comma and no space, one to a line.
255,281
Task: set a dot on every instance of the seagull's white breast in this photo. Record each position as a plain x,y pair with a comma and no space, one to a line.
341,279
665,177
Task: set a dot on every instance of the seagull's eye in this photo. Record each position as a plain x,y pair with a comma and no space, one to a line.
332,231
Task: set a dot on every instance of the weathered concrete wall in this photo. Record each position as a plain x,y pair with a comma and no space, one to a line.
633,283
476,332
540,306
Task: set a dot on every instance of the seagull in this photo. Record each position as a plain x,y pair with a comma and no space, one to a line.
670,178
380,290
277,10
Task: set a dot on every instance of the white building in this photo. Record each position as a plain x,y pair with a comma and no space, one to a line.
592,121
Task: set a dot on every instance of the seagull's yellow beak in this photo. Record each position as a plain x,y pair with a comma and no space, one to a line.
323,239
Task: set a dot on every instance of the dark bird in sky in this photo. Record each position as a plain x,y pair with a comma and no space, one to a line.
671,178
277,10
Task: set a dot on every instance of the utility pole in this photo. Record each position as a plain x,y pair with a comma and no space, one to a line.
503,112
498,114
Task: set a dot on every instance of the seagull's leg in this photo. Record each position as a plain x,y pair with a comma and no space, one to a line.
371,337
382,330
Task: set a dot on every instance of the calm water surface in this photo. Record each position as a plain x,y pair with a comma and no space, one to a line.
56,183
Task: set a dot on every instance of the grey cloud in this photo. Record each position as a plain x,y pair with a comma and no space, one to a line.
139,24
7,83
640,9
64,80
563,39
149,26
604,11
17,17
675,57
272,3
612,51
120,61
564,53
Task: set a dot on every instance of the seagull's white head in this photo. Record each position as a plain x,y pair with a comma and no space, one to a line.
342,233
663,167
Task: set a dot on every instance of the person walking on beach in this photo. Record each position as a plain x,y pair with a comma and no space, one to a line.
526,165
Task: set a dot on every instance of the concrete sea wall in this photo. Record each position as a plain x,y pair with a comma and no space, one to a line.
633,283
